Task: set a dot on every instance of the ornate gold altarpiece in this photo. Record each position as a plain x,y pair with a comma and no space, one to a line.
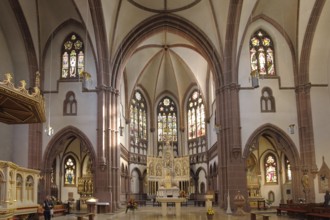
86,185
18,105
18,190
165,173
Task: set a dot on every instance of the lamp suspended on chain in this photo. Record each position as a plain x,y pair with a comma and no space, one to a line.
49,129
255,78
121,127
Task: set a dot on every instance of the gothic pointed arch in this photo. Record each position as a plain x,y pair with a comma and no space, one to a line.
283,140
283,143
55,146
167,125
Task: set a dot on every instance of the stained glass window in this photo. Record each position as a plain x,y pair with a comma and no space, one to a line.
196,116
70,171
73,57
167,124
262,54
287,169
196,126
270,165
138,124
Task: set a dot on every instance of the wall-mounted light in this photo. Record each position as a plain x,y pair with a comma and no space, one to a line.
291,128
217,128
49,130
121,128
254,78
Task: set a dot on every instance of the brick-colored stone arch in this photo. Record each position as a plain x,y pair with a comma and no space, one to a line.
285,144
55,147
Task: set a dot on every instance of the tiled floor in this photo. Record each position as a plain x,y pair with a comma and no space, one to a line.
187,213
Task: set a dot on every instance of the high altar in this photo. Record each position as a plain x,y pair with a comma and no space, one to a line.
166,175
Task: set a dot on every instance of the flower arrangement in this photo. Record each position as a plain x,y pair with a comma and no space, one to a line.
210,211
131,204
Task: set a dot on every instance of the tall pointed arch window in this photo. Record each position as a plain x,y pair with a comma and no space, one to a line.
70,171
138,125
262,54
270,166
196,123
288,175
73,57
167,125
196,116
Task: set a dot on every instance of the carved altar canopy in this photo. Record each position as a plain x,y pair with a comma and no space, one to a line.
18,105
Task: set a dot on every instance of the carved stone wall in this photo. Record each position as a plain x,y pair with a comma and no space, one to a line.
18,190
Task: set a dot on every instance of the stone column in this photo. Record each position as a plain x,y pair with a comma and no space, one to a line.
232,175
101,174
306,136
114,151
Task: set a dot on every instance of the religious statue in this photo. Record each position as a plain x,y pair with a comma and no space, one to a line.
305,181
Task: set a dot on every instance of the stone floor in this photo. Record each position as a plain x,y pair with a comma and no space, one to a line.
187,213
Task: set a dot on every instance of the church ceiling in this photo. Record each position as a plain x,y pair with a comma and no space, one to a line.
165,61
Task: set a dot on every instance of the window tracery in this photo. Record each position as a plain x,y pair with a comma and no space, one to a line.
70,104
262,54
196,124
167,125
138,127
270,166
73,57
70,171
267,100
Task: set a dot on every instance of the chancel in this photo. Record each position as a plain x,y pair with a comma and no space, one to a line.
167,175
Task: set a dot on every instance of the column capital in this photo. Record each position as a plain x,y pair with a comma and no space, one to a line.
105,88
303,88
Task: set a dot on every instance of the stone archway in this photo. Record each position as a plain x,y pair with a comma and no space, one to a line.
282,143
201,181
55,148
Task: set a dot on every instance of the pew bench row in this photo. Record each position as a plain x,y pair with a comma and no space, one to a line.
311,211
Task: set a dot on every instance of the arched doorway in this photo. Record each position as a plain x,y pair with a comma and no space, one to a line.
69,164
272,165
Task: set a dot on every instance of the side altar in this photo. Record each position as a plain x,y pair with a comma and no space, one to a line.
167,176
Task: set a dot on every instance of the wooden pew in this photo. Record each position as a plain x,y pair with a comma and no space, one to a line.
297,210
319,212
60,210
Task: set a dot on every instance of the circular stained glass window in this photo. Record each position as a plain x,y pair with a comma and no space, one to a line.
138,96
